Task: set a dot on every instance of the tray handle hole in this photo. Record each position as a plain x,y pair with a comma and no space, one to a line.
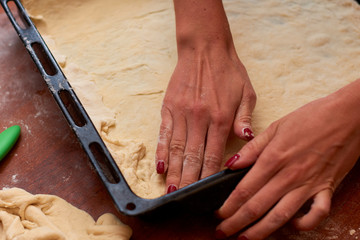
18,15
130,206
72,108
104,163
44,59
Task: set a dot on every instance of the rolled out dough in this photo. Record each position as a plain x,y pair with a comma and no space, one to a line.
119,56
24,216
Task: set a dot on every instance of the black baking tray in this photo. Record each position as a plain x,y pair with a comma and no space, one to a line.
205,195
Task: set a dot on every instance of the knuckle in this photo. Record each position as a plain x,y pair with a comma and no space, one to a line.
297,174
160,153
165,108
250,96
197,109
165,132
177,147
173,175
212,161
244,118
279,217
170,104
273,126
323,211
192,160
331,186
251,146
253,210
242,194
186,182
221,118
275,156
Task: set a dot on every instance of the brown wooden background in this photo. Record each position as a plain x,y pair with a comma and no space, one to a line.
48,159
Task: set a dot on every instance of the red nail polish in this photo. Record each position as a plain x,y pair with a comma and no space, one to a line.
248,134
171,188
242,238
160,167
220,234
232,160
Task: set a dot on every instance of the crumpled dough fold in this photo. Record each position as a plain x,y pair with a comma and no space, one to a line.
24,216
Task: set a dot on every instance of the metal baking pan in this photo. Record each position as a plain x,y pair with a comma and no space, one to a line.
205,195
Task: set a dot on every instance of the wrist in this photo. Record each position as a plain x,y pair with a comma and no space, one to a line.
202,25
348,101
199,43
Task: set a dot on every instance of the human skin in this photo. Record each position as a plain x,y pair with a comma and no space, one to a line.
208,95
302,156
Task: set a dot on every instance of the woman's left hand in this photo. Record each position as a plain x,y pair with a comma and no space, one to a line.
302,156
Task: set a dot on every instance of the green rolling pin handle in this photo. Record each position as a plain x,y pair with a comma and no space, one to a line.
8,139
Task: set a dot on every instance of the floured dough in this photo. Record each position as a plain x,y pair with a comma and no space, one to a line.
24,216
119,56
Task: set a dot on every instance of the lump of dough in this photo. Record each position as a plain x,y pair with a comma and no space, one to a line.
24,216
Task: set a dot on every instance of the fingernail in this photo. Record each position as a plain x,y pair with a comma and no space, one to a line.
248,133
220,234
171,188
160,167
232,160
242,238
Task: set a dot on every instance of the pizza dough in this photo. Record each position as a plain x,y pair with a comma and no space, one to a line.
119,56
24,216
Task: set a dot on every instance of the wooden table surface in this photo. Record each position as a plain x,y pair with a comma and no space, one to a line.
48,159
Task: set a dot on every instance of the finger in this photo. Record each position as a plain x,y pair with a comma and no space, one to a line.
177,147
318,212
194,152
280,214
252,150
247,187
215,147
162,150
276,191
257,179
242,122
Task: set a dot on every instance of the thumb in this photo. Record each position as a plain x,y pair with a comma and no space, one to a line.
242,122
250,152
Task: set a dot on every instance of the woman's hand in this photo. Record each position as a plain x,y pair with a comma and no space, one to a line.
208,94
302,156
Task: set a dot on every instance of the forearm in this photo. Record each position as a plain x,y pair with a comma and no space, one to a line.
202,23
